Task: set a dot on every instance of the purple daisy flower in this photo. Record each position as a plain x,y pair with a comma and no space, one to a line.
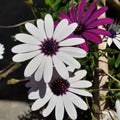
88,22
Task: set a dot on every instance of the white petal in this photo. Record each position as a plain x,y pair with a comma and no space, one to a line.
81,84
118,35
71,42
62,25
60,67
34,95
49,25
67,59
33,65
1,57
77,101
109,41
74,51
67,31
24,48
42,101
78,75
117,106
26,38
117,43
71,68
48,70
59,110
40,24
33,30
80,92
70,108
40,70
118,38
25,56
50,107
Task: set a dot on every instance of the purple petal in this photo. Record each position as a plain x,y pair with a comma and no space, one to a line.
84,46
99,31
81,9
73,13
102,21
92,37
65,16
89,11
56,23
96,14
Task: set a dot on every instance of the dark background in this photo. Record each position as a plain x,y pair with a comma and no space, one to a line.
12,12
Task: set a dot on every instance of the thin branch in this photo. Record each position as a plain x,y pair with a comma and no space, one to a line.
16,25
103,89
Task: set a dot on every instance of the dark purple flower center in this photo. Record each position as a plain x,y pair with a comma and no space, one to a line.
49,47
78,30
113,33
59,87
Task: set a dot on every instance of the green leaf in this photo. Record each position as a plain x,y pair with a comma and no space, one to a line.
100,3
49,2
117,62
111,62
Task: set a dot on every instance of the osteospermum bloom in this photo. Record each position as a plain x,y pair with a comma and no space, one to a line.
115,35
40,85
49,48
1,50
62,95
88,22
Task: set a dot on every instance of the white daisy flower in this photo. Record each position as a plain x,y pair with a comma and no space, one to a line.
1,50
40,85
63,95
115,35
117,106
48,48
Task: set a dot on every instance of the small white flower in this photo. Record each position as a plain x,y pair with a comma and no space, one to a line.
115,35
48,48
1,50
117,106
63,95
